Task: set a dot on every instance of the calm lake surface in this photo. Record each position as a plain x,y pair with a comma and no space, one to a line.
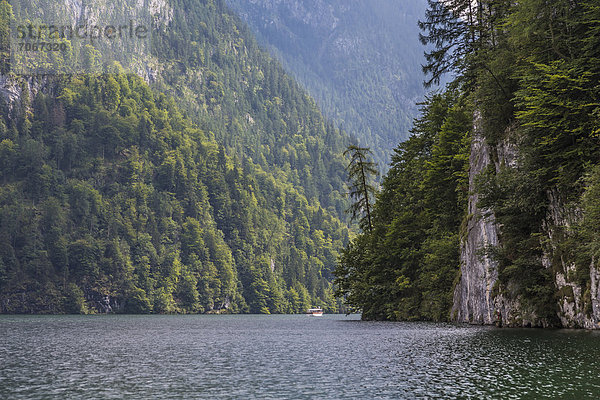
288,357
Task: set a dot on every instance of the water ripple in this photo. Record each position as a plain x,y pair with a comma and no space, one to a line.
288,357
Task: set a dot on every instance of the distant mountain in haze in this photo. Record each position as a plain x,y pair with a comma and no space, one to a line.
361,60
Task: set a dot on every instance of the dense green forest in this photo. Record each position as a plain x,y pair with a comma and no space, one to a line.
217,187
527,75
404,267
213,65
361,60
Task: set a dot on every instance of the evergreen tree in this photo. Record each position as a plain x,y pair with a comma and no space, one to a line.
361,171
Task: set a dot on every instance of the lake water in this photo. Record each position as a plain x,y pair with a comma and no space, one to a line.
288,357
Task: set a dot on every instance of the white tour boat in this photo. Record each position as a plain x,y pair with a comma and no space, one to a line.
315,312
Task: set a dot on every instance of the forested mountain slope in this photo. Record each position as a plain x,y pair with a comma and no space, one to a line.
361,60
490,211
214,185
212,64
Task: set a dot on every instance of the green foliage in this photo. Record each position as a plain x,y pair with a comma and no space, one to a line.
74,302
187,293
360,175
6,15
591,210
163,301
405,267
138,302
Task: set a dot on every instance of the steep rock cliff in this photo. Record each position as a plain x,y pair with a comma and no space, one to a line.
578,304
473,300
478,297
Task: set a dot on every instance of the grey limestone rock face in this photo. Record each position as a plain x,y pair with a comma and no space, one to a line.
595,295
578,305
77,12
10,92
473,301
477,300
12,88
